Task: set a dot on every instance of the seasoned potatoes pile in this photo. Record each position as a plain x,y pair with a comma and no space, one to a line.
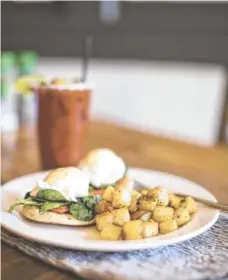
125,214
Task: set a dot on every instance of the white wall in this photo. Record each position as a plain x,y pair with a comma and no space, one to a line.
181,101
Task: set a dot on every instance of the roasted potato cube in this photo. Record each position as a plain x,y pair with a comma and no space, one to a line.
103,206
121,198
108,193
190,204
134,201
174,201
144,192
168,226
136,215
150,229
162,213
145,217
111,232
133,230
160,194
147,203
120,216
125,183
103,219
181,215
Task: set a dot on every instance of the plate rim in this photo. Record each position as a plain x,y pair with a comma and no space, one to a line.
123,246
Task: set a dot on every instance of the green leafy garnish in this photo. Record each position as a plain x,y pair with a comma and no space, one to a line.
47,206
41,200
89,201
22,201
91,188
80,212
50,195
84,208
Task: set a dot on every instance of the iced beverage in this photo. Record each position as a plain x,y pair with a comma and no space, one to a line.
62,123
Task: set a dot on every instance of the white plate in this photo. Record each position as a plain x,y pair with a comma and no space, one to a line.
87,238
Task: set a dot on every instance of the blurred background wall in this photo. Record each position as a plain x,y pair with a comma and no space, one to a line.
158,67
139,30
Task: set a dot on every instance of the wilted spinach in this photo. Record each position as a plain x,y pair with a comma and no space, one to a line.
50,195
81,212
22,201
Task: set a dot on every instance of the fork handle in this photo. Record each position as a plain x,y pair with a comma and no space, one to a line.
207,202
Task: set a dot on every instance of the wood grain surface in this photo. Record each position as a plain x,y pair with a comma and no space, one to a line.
207,166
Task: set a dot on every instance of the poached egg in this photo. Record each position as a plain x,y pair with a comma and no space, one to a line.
103,167
71,182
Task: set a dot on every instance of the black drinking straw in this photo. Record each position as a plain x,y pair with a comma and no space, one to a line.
86,54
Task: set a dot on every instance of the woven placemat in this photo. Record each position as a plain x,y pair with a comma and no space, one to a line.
203,257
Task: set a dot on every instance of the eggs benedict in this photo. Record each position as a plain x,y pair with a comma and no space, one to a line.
61,198
103,167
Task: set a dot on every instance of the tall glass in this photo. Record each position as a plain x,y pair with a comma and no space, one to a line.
62,124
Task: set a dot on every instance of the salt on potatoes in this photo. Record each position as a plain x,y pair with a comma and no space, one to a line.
168,226
190,204
147,203
181,215
133,230
162,213
136,215
127,214
144,192
120,216
174,201
108,193
139,229
103,219
111,232
160,194
134,201
121,198
150,229
103,206
125,183
146,217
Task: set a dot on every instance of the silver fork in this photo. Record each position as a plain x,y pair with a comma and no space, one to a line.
209,203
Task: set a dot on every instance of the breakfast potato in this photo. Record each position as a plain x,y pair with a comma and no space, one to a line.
136,215
120,216
111,232
168,226
160,194
144,192
103,206
125,183
181,215
162,213
108,193
134,201
150,229
103,219
121,198
147,203
174,201
190,204
145,217
133,230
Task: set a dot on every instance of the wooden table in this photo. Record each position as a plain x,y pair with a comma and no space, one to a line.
207,166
